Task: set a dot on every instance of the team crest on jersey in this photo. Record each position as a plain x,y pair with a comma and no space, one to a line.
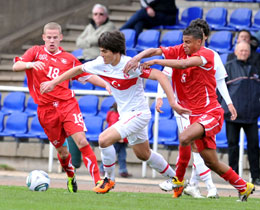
115,84
183,77
64,61
43,57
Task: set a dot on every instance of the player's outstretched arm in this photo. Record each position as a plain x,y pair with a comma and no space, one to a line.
173,63
134,62
49,85
97,81
166,85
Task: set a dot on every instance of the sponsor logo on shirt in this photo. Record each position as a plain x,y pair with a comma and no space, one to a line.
53,59
43,57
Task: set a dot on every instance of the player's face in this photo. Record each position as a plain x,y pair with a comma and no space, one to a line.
99,16
109,57
52,39
190,44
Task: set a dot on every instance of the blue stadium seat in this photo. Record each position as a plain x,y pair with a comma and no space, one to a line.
221,41
31,108
99,88
187,16
240,19
224,57
156,66
35,130
171,38
94,126
168,132
88,105
150,131
148,39
105,106
256,24
221,138
13,102
1,121
16,123
77,53
25,81
130,36
217,18
76,85
249,1
151,85
131,52
166,108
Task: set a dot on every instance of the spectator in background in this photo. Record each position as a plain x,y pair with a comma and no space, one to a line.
153,13
244,88
245,35
88,40
120,146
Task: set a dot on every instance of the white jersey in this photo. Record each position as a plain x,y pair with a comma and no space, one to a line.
127,90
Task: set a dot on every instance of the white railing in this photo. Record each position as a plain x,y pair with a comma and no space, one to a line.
98,93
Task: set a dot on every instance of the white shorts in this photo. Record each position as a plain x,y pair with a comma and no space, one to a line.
133,126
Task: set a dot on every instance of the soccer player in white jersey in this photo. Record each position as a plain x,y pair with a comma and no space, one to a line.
133,108
195,85
199,169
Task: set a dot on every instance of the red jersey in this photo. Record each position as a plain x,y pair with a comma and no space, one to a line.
55,65
195,87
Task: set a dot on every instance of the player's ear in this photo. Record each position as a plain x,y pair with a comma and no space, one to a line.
61,37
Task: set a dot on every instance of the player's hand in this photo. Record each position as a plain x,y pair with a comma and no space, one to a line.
180,110
158,105
38,65
233,111
148,64
131,64
46,87
150,11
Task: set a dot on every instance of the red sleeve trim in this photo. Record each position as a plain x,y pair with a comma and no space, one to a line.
146,73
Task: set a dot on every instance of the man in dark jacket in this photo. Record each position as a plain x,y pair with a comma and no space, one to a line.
152,13
243,83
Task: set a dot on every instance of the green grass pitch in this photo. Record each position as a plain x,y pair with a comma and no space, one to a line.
19,198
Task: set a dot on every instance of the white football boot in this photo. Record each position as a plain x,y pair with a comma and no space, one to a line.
212,192
193,191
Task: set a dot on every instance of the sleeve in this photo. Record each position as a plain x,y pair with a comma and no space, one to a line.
170,52
28,56
94,66
146,73
222,88
207,57
221,72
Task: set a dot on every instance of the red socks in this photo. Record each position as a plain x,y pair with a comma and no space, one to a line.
67,165
235,180
183,161
90,161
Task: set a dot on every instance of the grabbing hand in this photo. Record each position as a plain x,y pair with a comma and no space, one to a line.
46,87
180,110
38,65
131,64
150,11
108,89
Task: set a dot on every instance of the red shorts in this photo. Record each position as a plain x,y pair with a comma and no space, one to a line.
212,122
60,120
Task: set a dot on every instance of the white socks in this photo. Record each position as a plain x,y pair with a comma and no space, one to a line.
108,157
157,162
200,170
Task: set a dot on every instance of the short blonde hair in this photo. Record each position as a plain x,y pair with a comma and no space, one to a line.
52,25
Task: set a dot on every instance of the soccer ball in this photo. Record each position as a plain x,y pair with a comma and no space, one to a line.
38,180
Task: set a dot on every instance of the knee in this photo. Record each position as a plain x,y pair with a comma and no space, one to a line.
144,156
64,153
184,140
102,141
